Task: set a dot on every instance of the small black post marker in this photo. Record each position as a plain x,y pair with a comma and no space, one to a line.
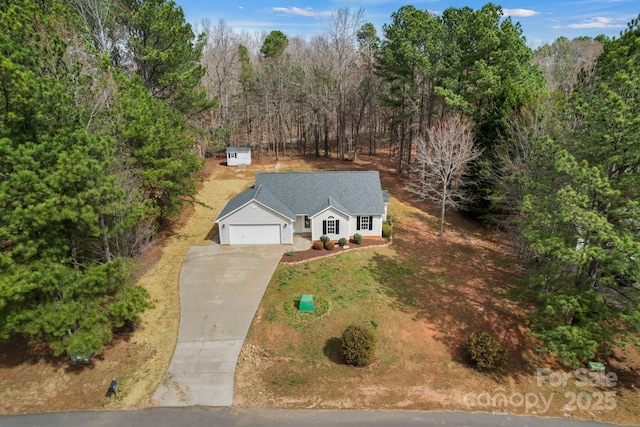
113,388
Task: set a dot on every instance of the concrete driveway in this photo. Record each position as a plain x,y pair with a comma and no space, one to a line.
220,290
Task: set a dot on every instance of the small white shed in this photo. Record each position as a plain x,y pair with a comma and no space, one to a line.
238,156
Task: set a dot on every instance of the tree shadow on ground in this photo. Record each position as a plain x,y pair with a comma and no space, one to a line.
623,366
459,283
333,350
79,367
17,351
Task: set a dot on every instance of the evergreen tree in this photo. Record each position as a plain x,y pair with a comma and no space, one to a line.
580,215
157,142
61,283
166,53
470,61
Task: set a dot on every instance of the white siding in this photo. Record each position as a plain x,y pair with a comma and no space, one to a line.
255,214
237,158
376,229
345,224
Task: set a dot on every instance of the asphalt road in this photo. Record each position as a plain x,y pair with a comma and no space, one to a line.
226,416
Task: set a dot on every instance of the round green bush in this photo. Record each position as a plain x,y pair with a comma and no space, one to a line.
342,242
386,230
357,238
484,350
358,345
324,239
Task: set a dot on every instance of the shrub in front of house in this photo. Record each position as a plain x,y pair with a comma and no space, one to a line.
386,230
317,245
342,242
358,345
329,245
484,350
357,238
324,239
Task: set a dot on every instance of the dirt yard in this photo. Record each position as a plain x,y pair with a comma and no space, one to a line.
420,366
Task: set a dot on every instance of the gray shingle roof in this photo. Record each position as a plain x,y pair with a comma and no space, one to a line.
237,202
307,193
267,198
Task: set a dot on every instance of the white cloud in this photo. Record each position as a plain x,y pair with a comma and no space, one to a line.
298,11
520,13
597,22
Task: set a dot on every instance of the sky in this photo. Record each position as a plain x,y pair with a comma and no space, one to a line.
542,21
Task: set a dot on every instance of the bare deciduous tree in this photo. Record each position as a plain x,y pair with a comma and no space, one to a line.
342,39
441,163
220,58
565,62
99,16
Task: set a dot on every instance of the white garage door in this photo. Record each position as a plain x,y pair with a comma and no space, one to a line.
254,234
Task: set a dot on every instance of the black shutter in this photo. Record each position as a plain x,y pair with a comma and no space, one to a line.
324,227
358,223
337,226
370,223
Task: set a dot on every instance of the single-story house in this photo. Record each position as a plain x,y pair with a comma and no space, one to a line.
238,156
279,205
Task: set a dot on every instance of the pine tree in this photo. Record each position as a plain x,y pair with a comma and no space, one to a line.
61,283
166,53
580,217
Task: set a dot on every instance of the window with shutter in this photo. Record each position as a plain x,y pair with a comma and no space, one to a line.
331,226
364,223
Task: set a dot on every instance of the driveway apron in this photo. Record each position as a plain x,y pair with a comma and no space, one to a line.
220,290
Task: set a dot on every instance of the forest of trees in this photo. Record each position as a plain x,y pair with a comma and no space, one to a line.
95,150
110,106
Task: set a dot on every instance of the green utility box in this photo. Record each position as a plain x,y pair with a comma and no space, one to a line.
81,357
306,303
595,366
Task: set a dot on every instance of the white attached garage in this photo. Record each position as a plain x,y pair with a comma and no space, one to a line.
253,223
254,234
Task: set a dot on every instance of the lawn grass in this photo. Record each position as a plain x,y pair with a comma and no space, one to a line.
344,288
378,288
